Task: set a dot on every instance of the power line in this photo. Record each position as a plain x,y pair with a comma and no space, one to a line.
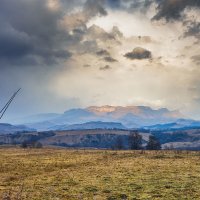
3,110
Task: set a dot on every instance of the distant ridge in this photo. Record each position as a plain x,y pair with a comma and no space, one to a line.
128,116
177,125
91,126
9,129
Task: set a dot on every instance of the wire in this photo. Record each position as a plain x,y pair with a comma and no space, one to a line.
3,110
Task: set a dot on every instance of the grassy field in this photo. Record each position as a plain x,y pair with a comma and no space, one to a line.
97,174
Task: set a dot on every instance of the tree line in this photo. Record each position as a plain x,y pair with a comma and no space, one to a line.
135,142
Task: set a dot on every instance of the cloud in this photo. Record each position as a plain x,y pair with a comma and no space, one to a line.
86,65
86,46
130,5
106,67
172,9
95,32
193,29
102,52
196,59
116,32
93,8
141,6
79,19
109,59
114,4
138,53
31,33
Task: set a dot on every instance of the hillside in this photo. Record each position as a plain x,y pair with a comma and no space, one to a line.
100,138
179,139
105,138
10,129
180,124
90,125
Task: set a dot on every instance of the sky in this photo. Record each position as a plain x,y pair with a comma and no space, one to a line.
78,53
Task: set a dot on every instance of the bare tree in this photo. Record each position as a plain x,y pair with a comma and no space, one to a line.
135,140
153,143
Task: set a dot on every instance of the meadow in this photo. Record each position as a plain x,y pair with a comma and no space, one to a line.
63,174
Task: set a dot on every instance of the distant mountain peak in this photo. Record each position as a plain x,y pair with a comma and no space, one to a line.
131,109
101,109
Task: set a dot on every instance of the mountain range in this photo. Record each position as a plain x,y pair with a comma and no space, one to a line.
129,117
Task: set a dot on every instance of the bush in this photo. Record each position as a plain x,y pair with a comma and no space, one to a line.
38,145
24,144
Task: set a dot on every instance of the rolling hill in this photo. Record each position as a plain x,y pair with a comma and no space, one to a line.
180,124
90,126
10,129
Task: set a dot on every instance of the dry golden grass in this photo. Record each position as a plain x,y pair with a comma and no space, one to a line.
60,174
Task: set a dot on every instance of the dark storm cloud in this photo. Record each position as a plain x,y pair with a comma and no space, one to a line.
172,9
13,44
30,33
109,59
69,5
139,5
93,8
130,5
114,3
138,53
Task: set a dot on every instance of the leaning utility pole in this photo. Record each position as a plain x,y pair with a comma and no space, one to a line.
3,110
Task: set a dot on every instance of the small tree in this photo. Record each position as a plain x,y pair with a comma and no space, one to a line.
135,140
153,143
